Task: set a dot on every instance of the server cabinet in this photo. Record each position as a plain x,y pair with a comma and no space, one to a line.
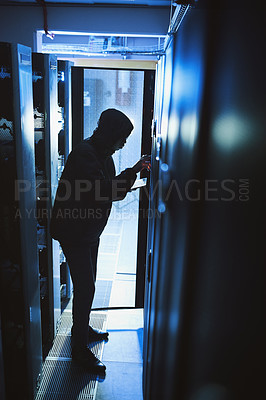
155,278
46,129
64,148
207,336
20,292
154,219
182,98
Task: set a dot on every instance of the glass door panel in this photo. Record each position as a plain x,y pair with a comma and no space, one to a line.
116,276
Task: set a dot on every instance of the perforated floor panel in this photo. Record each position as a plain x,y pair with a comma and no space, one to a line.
63,379
102,293
66,380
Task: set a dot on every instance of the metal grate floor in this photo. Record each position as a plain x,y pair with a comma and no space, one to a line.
102,293
61,378
106,266
110,243
67,381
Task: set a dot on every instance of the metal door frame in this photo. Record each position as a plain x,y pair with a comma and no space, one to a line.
146,141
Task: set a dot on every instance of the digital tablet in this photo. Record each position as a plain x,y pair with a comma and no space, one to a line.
139,183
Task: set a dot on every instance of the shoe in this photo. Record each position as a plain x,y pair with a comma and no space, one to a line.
94,335
88,360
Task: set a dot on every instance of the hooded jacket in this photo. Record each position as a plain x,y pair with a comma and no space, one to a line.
88,184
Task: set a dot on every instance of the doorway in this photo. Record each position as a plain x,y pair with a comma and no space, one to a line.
123,90
121,260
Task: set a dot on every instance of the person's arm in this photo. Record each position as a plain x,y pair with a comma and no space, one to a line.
127,178
91,184
122,183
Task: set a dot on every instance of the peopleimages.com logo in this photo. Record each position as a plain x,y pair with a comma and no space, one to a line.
191,190
207,190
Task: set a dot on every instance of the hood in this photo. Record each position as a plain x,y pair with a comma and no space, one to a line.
113,125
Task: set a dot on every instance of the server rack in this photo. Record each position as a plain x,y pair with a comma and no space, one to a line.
153,221
207,305
177,164
46,145
20,292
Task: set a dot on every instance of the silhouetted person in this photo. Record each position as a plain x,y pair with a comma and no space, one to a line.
87,187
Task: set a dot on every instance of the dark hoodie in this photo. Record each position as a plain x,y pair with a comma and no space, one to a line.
88,184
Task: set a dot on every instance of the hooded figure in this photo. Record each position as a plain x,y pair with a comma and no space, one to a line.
87,187
88,184
113,129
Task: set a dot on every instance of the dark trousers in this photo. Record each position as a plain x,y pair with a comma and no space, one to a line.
82,261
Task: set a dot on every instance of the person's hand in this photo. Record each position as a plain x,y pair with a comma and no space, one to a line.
143,163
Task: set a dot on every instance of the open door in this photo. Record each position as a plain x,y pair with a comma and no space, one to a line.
122,252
